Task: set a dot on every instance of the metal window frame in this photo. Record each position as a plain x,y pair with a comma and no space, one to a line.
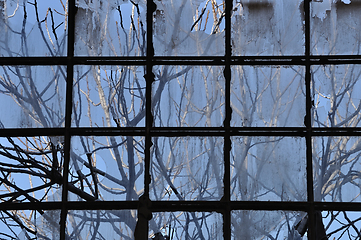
225,206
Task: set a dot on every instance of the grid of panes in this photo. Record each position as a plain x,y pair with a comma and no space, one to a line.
220,119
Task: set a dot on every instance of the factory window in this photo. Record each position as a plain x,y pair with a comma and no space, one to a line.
169,119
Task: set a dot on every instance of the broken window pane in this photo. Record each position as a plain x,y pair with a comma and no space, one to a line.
101,224
31,28
337,101
34,96
189,28
268,96
187,96
31,168
268,169
106,168
29,224
109,96
342,224
186,225
267,27
187,168
31,172
336,162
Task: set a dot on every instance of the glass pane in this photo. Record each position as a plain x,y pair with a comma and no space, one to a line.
187,96
34,96
336,165
101,224
268,27
189,28
268,169
186,225
110,28
266,225
342,224
336,92
31,28
30,224
187,168
335,27
268,96
109,96
31,169
48,225
106,168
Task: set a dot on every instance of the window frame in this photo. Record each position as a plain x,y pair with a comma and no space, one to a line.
226,205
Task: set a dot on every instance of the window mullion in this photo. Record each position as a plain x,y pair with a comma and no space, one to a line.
68,107
308,123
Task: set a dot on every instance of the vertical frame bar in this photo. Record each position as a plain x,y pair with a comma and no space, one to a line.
308,123
144,211
227,122
68,112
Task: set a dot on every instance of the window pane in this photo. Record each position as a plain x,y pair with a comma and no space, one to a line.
342,224
109,96
268,96
33,29
107,168
336,162
101,224
187,225
47,225
187,96
105,28
268,169
335,27
265,224
187,168
189,28
336,92
267,27
31,169
34,96
30,224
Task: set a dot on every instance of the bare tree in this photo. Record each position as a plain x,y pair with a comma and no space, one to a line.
108,168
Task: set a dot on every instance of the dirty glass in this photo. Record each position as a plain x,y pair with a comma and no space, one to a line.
336,170
335,90
265,224
34,96
268,96
335,27
109,96
187,168
37,28
41,224
189,28
269,27
188,96
186,225
268,169
190,119
110,28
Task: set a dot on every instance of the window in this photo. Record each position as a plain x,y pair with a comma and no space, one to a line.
180,119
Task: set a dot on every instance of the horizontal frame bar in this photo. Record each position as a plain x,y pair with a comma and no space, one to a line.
193,206
180,131
188,60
